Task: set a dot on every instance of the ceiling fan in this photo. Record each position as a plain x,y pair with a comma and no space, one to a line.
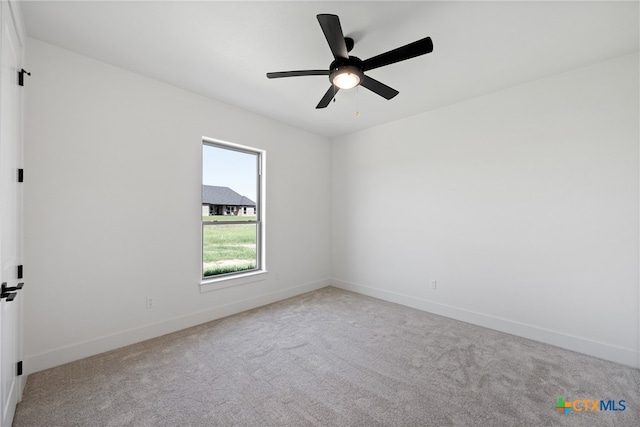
346,72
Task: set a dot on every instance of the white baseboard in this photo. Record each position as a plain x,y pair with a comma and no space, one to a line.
610,352
62,355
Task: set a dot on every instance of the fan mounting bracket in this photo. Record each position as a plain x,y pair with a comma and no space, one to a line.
349,42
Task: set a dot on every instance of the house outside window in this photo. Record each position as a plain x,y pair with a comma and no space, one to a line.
232,226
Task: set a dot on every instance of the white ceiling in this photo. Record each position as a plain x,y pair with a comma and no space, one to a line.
223,49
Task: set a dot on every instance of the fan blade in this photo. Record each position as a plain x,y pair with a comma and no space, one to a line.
326,99
409,51
297,73
380,88
333,32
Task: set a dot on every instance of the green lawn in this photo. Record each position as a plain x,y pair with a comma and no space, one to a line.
228,247
229,218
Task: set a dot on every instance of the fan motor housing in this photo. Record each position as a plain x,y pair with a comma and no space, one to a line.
352,65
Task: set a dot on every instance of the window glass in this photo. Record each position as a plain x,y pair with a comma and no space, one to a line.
231,226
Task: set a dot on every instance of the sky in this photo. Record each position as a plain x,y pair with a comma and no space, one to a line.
228,168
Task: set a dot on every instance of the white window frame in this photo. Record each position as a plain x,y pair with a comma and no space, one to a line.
259,273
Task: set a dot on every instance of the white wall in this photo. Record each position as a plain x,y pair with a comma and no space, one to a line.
522,205
101,146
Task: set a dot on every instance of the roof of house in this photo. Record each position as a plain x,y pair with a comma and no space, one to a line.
214,195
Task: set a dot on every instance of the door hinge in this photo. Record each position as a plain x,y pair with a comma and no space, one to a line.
21,74
19,368
20,175
20,272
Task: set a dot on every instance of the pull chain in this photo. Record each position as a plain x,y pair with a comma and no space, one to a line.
357,98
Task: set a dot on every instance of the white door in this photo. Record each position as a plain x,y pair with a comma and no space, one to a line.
10,216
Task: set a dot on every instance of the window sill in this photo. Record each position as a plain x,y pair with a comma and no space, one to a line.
207,285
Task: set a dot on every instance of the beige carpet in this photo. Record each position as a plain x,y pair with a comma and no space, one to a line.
330,358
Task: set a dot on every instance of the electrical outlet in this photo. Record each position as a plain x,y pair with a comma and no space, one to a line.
433,284
149,302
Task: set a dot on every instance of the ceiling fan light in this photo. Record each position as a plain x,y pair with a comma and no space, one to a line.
346,80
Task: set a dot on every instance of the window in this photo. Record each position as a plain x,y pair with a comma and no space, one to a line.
232,242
